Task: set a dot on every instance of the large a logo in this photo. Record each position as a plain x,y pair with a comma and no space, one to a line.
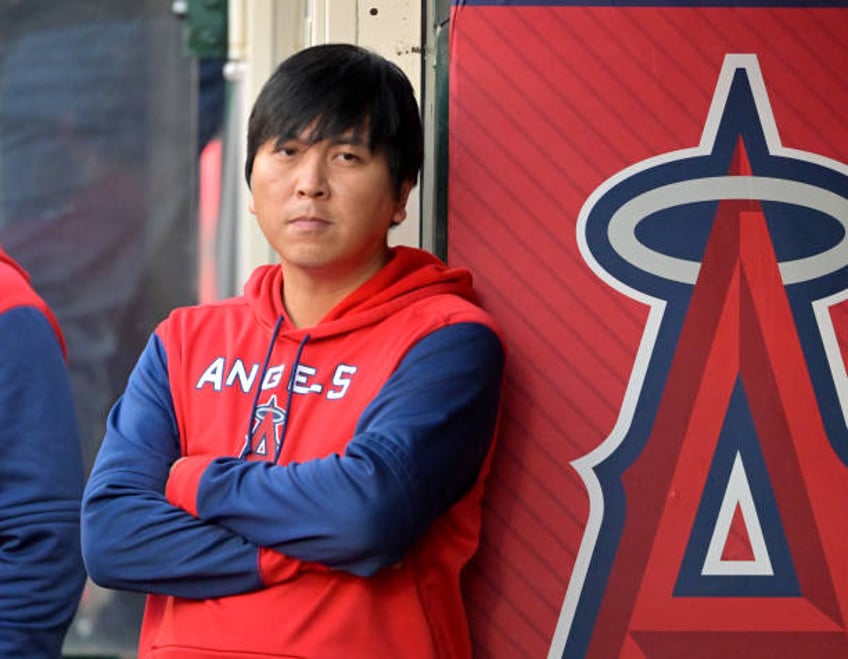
718,522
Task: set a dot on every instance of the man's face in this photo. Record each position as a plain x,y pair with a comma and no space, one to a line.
326,207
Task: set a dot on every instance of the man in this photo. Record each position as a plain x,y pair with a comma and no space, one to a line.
41,571
297,472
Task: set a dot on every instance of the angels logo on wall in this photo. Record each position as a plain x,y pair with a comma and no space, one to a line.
717,522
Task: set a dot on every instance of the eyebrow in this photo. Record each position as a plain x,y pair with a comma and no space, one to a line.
344,139
352,139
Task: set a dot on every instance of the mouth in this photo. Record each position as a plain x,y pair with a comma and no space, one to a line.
308,222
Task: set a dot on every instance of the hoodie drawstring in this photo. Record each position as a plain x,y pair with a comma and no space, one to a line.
290,391
248,444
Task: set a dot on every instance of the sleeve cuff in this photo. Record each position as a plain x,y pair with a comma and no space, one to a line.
184,481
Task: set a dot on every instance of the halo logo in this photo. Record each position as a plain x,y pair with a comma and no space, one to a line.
718,523
265,438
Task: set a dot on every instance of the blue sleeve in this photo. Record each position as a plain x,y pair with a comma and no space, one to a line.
417,449
132,538
41,572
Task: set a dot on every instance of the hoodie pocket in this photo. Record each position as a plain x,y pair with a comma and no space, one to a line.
174,652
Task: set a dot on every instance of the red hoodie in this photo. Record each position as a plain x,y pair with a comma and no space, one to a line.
16,291
348,460
41,475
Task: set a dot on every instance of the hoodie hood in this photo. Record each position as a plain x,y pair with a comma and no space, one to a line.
17,291
7,261
409,275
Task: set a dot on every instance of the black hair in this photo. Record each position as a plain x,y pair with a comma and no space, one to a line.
337,88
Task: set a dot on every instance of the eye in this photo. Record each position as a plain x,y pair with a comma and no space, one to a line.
350,154
287,149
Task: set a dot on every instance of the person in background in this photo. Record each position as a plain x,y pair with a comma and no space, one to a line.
298,471
97,203
41,476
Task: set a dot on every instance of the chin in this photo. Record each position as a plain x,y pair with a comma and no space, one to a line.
307,259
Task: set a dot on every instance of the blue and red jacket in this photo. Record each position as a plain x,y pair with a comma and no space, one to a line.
41,475
326,484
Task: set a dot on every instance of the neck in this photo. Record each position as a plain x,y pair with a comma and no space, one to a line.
309,295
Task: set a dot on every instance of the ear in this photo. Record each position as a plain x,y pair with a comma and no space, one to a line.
400,209
251,206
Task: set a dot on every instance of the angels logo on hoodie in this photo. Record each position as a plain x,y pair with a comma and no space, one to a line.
266,430
717,522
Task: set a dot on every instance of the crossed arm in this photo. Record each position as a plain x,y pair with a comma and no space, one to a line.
192,530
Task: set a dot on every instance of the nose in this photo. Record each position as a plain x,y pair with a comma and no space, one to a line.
311,175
